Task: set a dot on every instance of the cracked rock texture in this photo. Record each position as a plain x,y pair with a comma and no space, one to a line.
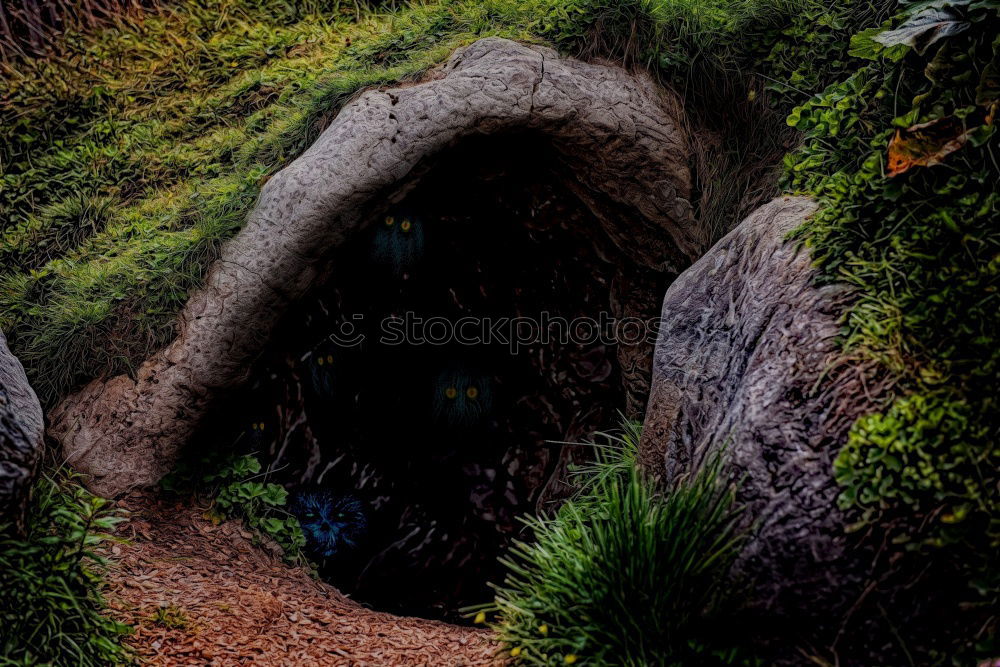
622,149
22,428
747,361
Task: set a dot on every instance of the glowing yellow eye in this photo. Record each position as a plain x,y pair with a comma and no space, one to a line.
472,392
451,392
319,360
262,426
389,221
329,358
405,225
254,426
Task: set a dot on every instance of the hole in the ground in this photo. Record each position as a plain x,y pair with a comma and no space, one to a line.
412,462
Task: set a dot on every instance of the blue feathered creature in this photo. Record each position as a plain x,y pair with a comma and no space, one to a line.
334,525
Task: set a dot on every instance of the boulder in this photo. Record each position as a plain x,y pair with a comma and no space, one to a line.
747,363
22,428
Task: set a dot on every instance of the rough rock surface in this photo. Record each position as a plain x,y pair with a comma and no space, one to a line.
746,360
618,138
22,428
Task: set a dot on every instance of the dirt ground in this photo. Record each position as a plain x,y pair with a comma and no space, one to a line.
205,594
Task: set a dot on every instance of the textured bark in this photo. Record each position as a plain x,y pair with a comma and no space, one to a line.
617,135
746,361
22,428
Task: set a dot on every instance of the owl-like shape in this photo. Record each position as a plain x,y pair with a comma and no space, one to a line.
322,375
257,435
334,525
462,398
398,242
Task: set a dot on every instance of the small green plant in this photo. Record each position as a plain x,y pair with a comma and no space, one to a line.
238,489
921,459
170,616
50,579
623,574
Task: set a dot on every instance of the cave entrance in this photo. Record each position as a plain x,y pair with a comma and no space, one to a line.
419,451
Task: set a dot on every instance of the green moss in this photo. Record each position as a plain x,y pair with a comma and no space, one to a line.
922,458
170,616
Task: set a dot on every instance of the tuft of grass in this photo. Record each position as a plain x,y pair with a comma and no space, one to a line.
169,616
50,578
624,573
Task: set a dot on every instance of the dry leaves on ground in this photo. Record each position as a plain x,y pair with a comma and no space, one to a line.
204,594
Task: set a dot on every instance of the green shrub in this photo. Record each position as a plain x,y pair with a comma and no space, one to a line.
623,574
235,485
800,58
902,155
50,578
920,248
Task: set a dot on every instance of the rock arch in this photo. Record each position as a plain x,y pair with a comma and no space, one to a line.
621,139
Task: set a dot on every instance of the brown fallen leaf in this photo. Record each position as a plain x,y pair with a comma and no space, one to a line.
926,144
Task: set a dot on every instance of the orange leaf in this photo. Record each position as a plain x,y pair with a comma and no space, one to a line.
926,144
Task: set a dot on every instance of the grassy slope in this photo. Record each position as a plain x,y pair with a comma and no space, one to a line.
121,182
131,156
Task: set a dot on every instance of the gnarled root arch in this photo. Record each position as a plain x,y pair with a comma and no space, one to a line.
619,137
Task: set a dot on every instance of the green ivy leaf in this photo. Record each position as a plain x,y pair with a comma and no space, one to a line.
864,45
988,90
274,494
273,526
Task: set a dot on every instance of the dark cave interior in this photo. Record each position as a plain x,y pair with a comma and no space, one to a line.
413,461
